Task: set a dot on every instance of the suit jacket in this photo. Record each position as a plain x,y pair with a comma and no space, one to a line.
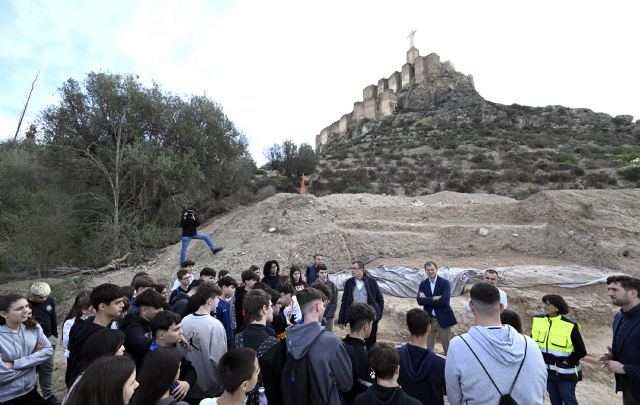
444,313
311,275
374,297
626,350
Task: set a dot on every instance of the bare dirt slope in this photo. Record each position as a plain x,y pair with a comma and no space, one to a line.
596,227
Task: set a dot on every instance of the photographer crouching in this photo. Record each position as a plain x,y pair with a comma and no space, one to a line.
189,223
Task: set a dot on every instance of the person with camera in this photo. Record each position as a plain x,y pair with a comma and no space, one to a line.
189,223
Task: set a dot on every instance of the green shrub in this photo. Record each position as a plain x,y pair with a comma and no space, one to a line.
631,172
628,154
356,190
567,158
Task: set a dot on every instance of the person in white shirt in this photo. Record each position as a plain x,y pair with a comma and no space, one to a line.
491,277
188,266
81,309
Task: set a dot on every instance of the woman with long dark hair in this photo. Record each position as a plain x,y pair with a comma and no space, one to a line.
107,381
23,346
160,369
271,273
103,343
80,310
295,278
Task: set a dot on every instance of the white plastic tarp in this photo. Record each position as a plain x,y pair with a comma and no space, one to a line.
403,282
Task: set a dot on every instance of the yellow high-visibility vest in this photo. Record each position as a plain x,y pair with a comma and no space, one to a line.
553,335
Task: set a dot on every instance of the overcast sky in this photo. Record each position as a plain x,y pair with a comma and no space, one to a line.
286,69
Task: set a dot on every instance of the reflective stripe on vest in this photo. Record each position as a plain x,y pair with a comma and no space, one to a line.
560,370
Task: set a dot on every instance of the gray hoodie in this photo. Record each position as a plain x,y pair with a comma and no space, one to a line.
328,357
18,346
501,351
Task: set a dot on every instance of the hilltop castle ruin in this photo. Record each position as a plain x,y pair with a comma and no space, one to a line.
379,101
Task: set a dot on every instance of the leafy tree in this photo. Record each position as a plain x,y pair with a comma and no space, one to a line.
290,160
114,160
37,225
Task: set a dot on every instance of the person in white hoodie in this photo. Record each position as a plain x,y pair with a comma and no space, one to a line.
493,360
23,346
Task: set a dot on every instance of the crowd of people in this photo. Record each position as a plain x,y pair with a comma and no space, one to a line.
269,338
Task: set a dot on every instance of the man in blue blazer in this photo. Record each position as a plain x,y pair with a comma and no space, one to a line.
434,294
623,357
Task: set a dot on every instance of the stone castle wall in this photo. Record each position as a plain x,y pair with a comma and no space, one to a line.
379,101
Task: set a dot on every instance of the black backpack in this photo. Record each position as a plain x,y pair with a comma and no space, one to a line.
298,383
505,399
253,396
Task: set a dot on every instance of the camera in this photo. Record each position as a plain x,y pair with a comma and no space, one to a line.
189,212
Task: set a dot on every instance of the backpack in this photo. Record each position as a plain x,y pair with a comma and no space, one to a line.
505,399
299,386
253,396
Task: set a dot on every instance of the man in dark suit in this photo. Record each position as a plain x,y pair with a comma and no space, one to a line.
623,357
434,294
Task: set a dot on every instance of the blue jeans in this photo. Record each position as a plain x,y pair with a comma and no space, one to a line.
187,239
562,392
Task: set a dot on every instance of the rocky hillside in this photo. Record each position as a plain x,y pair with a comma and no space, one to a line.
443,135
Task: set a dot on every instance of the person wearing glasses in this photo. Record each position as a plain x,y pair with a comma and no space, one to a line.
562,347
364,289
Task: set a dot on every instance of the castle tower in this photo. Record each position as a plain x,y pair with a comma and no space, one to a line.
412,55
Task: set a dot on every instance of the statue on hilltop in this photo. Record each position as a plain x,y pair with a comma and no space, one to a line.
411,35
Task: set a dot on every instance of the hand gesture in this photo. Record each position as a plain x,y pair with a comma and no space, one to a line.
181,390
607,356
616,367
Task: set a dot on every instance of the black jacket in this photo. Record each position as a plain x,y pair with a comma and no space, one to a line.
272,281
78,335
271,362
177,294
374,297
357,351
189,225
626,350
45,314
240,293
379,395
138,336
